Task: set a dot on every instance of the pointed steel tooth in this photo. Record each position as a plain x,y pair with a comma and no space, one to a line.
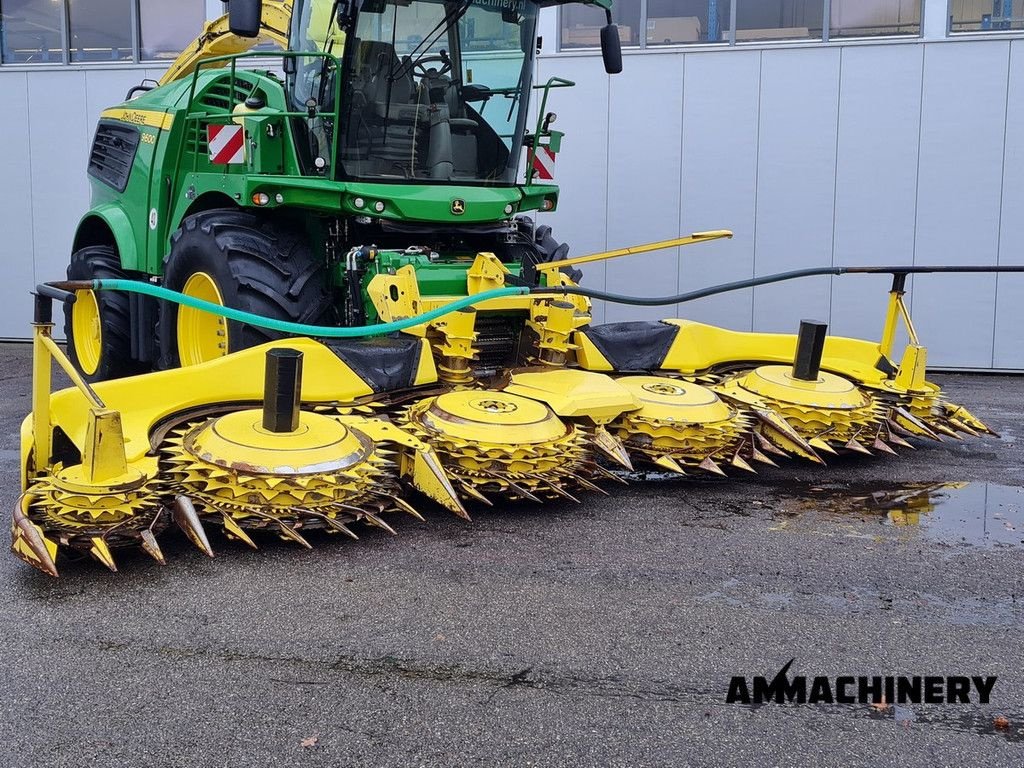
340,527
101,552
337,525
790,438
286,530
943,429
589,485
185,515
554,487
24,530
778,423
853,445
151,547
895,439
896,428
231,526
667,462
372,519
475,494
757,455
740,463
962,427
767,445
452,502
708,465
612,447
522,491
607,473
820,445
357,512
403,505
962,415
916,425
880,445
292,534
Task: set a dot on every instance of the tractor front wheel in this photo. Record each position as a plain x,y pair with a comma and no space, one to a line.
98,324
245,261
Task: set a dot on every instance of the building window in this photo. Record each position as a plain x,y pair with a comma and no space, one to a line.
678,22
581,25
86,31
986,15
165,29
779,20
671,22
31,32
101,30
871,18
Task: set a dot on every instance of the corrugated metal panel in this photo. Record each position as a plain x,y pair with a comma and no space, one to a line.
963,121
795,182
59,147
16,244
719,185
1009,340
582,168
876,178
643,181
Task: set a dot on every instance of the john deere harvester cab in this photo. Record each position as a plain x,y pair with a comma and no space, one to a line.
387,134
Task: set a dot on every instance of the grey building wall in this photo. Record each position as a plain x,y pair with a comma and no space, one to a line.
46,128
839,154
909,152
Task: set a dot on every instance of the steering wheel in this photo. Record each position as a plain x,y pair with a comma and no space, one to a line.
420,68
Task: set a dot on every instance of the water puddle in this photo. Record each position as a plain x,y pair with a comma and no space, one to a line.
977,514
955,719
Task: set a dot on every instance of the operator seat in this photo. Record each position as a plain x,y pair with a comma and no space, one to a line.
392,125
443,91
387,81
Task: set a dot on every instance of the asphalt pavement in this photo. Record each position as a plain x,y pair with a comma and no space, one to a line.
597,635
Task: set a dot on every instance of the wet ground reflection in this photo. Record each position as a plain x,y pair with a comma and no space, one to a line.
977,514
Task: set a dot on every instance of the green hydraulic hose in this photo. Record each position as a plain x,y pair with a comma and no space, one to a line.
301,329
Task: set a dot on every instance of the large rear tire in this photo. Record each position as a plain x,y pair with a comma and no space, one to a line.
242,260
98,325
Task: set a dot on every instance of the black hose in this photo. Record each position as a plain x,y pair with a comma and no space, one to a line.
899,274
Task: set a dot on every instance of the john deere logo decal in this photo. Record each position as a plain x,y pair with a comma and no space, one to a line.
458,207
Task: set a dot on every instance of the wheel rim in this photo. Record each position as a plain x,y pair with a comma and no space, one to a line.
87,331
201,335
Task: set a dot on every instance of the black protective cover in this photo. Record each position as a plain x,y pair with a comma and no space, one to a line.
636,346
386,364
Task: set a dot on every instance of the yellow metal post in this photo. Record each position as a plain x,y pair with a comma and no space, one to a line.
696,237
911,374
41,382
892,318
103,456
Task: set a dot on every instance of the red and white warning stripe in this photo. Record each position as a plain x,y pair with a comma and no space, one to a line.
227,144
544,164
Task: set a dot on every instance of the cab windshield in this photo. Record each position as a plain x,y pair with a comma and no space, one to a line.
434,90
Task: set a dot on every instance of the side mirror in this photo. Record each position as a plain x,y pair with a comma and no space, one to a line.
611,49
244,17
474,92
344,17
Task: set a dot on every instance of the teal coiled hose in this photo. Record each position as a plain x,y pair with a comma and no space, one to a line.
301,329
